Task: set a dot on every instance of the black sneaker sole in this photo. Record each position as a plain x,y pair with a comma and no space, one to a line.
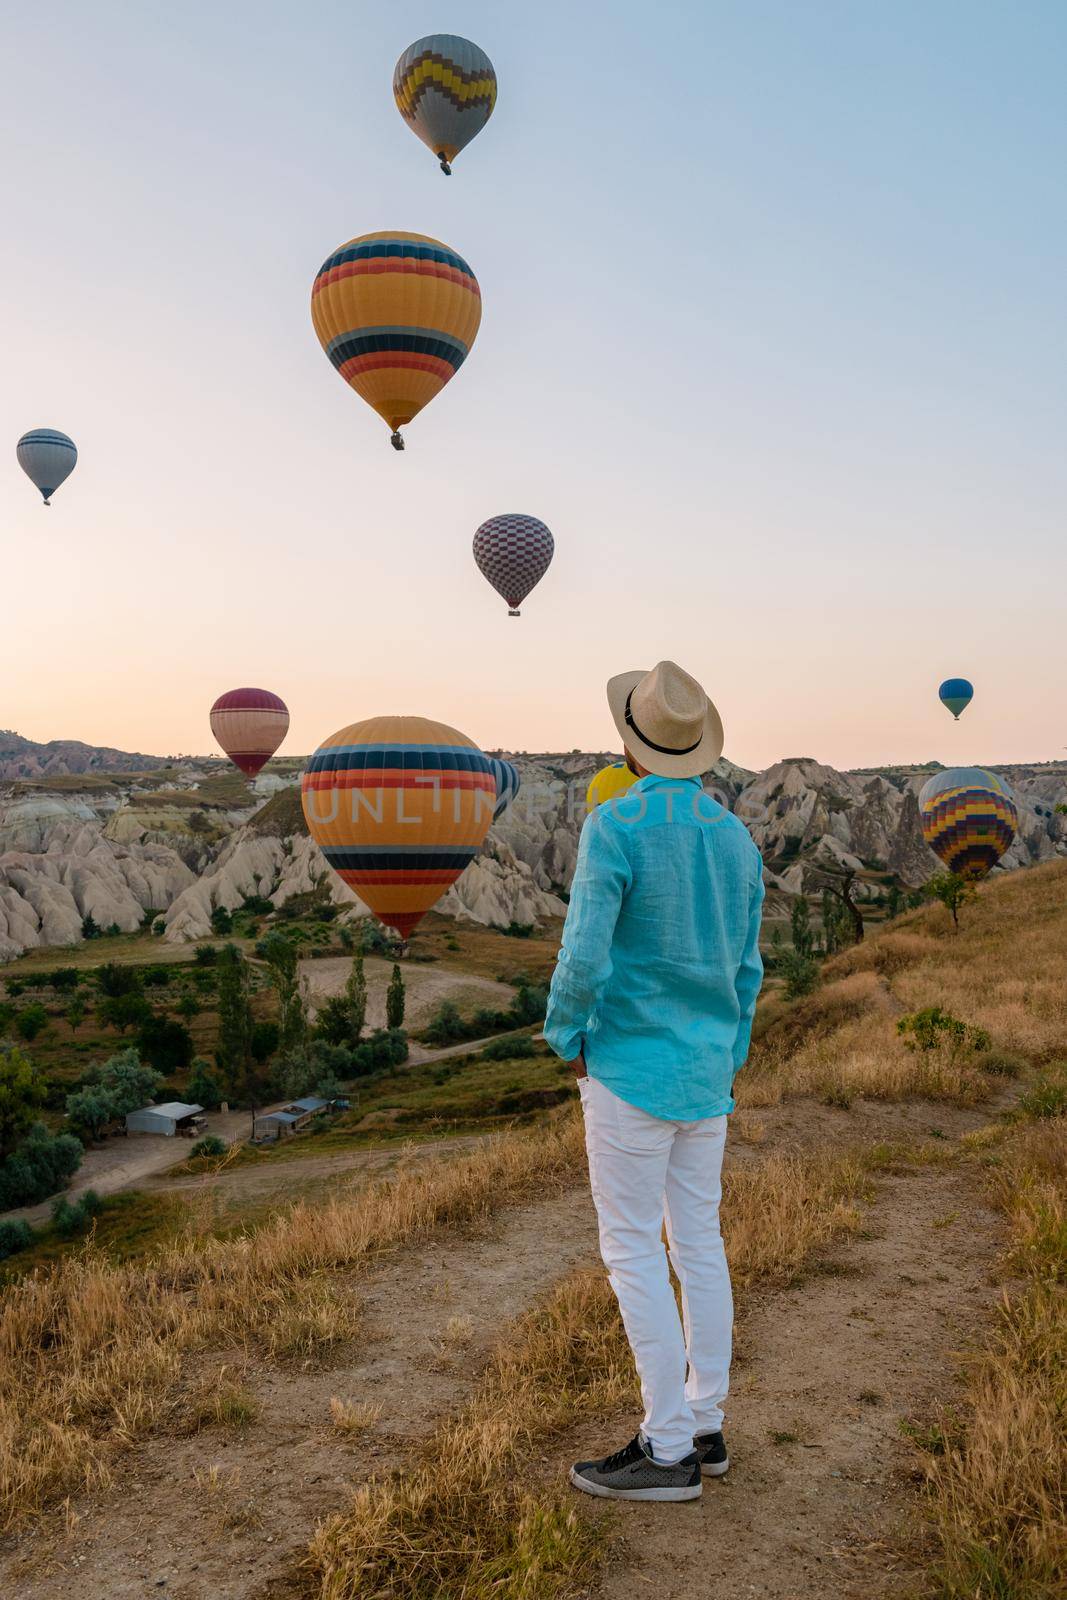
715,1469
688,1492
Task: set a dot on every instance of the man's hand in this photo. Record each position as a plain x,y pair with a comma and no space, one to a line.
578,1066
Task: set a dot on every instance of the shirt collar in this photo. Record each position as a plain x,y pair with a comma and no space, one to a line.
654,781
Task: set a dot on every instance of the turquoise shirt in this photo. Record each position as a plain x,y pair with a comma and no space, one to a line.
660,967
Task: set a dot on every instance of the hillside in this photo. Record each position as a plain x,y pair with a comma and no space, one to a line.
170,846
24,758
297,1352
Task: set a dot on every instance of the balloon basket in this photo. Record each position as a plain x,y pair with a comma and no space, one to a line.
514,613
445,168
397,440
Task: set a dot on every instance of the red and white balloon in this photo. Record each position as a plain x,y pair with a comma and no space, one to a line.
249,724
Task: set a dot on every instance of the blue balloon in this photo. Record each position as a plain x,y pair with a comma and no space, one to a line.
956,695
507,784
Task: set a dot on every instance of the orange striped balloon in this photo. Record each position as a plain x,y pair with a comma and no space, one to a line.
399,807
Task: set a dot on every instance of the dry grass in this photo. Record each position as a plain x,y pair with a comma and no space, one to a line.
1002,972
353,1418
999,1489
93,1353
464,1520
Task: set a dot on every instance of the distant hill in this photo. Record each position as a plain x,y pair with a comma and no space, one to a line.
24,758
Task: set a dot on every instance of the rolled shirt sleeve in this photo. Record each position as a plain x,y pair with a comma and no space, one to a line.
601,878
749,974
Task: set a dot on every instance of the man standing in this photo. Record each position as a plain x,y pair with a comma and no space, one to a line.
652,1003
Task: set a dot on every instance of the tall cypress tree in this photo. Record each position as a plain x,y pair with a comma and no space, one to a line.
395,999
233,1053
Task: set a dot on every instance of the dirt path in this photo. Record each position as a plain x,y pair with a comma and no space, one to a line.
826,1371
819,1497
223,1513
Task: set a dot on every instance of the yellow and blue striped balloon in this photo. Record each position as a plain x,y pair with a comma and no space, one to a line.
968,819
396,314
399,806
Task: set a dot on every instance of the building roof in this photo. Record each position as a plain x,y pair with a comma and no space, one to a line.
172,1108
311,1102
279,1116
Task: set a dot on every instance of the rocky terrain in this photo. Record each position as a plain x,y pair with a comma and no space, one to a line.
137,845
23,758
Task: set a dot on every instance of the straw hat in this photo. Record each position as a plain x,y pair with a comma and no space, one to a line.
666,721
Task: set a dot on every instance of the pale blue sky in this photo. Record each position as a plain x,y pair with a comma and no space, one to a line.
773,340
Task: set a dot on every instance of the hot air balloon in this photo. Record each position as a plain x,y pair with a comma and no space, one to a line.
48,458
399,806
507,780
607,783
249,724
956,695
513,552
445,90
968,819
397,314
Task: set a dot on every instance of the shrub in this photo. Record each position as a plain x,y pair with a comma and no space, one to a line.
14,1236
113,980
156,977
386,1047
70,1217
31,1021
257,905
999,1063
518,1049
43,1163
206,955
1048,1097
165,1044
61,978
932,1028
518,930
209,1145
264,1040
124,1011
203,1088
446,1026
221,921
90,927
800,972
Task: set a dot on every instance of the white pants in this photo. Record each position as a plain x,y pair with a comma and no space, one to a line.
644,1170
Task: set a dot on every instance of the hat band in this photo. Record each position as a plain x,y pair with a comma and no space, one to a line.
660,749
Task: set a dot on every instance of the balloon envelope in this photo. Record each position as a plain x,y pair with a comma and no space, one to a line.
513,552
968,818
397,314
47,457
956,695
609,782
399,807
249,724
508,782
445,90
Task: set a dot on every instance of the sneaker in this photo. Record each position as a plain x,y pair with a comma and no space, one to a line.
711,1453
631,1474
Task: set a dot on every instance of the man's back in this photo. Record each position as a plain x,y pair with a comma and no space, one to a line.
660,967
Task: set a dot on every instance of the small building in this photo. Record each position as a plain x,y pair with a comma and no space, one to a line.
169,1119
308,1107
275,1124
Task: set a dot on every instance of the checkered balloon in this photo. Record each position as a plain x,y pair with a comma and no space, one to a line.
513,552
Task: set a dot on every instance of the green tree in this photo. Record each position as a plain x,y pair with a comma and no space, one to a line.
22,1094
894,904
233,1052
114,980
89,1111
75,1013
203,1087
953,890
43,1163
188,1006
124,1011
395,999
165,1043
127,1079
265,1036
221,921
356,996
800,920
31,1021
281,957
90,927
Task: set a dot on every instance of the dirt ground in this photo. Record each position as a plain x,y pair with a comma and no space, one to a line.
817,1500
426,987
